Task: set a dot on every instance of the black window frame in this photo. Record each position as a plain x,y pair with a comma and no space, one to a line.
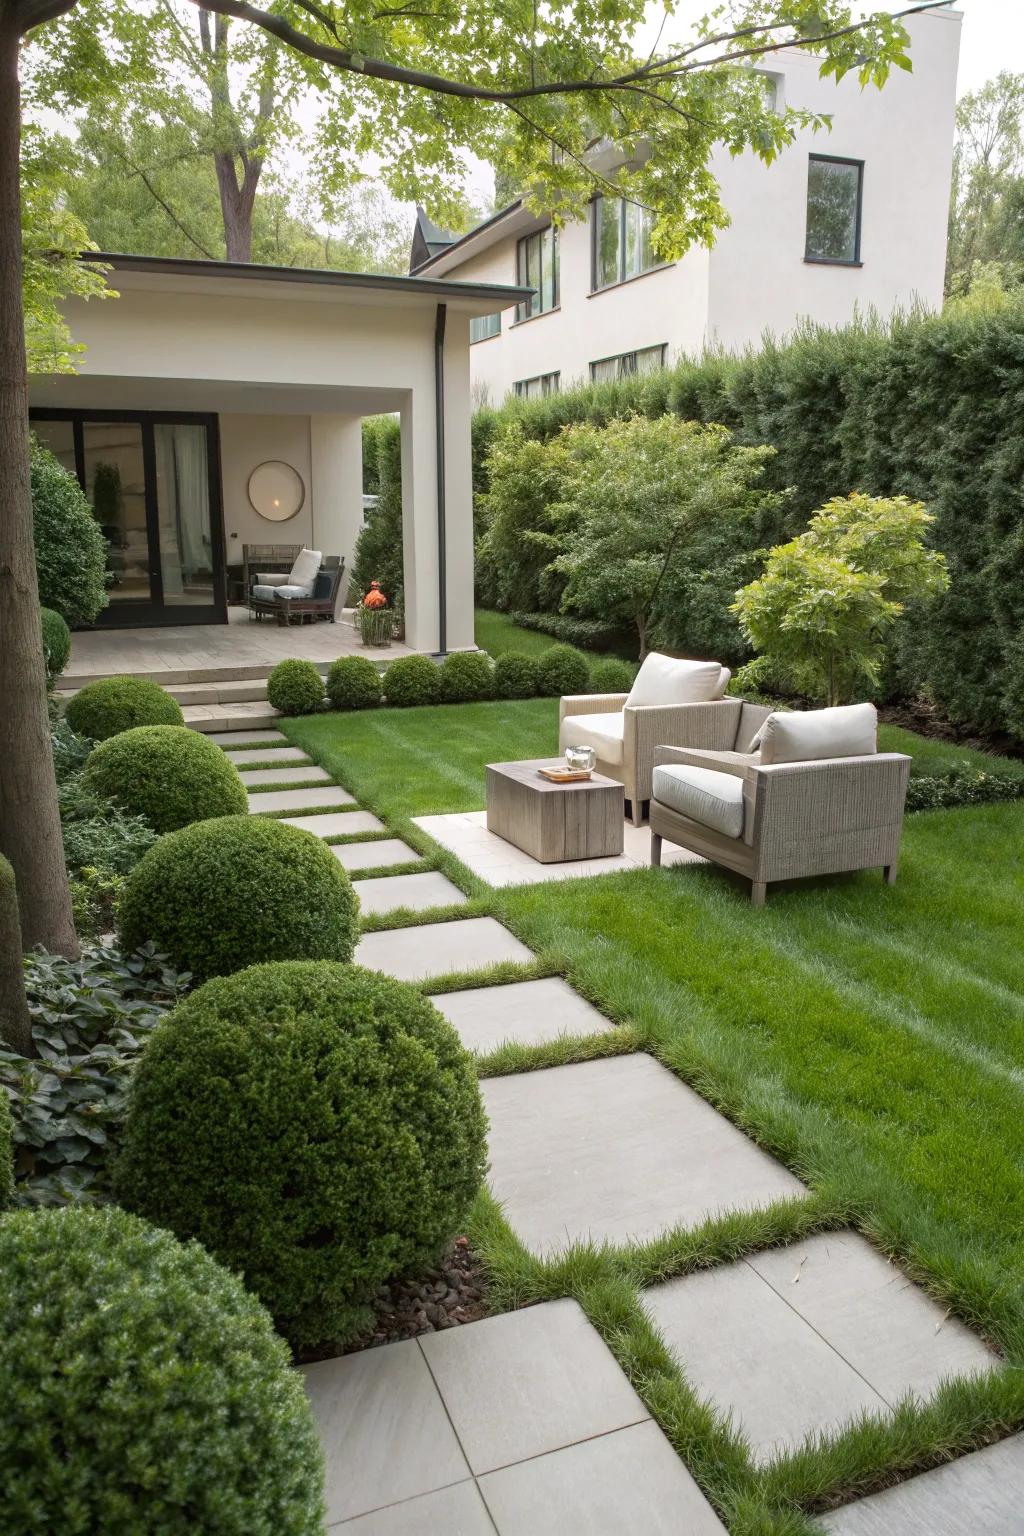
533,307
555,374
620,359
622,275
836,261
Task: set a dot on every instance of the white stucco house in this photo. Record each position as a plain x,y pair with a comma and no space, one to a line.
844,221
204,380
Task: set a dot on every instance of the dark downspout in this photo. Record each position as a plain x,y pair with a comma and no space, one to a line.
442,551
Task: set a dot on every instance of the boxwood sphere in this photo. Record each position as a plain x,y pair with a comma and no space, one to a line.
353,682
466,677
144,1388
167,773
118,704
318,1127
562,670
412,680
612,676
56,643
515,676
220,895
295,688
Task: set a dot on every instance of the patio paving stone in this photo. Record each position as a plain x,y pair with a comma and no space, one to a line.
384,1429
375,855
435,949
418,892
338,823
272,755
982,1492
672,1159
525,1012
235,738
628,1481
457,1511
299,799
528,1382
279,777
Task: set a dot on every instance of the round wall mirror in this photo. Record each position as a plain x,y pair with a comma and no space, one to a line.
276,490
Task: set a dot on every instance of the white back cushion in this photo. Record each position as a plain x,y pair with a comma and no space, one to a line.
663,680
304,571
722,684
851,730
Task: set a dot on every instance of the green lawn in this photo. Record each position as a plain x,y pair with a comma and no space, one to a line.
496,634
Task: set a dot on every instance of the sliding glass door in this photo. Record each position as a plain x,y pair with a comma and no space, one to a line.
152,479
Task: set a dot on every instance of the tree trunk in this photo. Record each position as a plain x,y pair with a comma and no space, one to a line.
30,835
236,204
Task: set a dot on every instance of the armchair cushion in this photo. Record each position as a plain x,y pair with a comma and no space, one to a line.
270,578
286,589
851,730
664,680
602,732
304,571
713,799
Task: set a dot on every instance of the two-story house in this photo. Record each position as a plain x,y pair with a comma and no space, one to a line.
845,221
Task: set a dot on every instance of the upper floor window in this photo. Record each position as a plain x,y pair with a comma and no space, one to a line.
834,195
536,388
482,326
537,268
622,241
645,360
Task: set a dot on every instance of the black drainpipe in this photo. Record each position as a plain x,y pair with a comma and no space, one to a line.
442,552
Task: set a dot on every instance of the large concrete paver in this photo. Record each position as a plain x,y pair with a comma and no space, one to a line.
617,1149
979,1495
339,824
281,800
416,892
455,1511
230,738
270,755
374,855
524,1012
278,778
435,949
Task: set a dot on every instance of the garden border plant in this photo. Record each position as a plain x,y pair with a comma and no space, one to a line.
115,704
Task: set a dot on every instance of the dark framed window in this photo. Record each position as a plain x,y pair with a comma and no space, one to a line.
644,360
620,242
483,326
835,195
537,268
539,386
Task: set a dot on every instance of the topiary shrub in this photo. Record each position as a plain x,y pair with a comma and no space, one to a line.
466,677
317,1127
223,894
118,704
149,1385
612,676
56,644
562,670
412,680
296,688
167,773
71,552
515,676
353,682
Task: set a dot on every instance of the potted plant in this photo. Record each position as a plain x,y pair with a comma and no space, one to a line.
376,620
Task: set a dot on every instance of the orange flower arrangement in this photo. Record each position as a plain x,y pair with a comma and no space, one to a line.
375,597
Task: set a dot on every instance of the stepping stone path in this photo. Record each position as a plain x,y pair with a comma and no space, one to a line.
523,1424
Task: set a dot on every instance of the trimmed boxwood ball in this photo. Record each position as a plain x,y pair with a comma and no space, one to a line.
515,676
412,680
220,895
612,676
116,704
296,688
318,1127
144,1388
167,773
466,677
562,670
353,682
56,644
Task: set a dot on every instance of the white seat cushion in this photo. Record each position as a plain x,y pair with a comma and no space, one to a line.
713,799
850,730
284,590
304,571
602,732
664,680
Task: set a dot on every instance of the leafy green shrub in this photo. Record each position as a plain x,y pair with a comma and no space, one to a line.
296,688
109,840
170,775
69,749
220,895
378,553
611,676
71,552
149,1385
587,634
515,676
353,682
95,900
116,704
411,680
6,1154
562,670
962,785
466,677
317,1127
56,644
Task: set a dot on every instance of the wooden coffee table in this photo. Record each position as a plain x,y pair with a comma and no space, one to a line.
554,822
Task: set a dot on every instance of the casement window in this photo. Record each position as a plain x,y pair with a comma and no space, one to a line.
621,242
537,268
483,326
645,360
536,388
835,192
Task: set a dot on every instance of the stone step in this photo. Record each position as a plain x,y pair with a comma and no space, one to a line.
435,949
182,677
218,718
219,693
281,777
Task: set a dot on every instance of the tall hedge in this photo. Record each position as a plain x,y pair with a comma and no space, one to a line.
71,552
